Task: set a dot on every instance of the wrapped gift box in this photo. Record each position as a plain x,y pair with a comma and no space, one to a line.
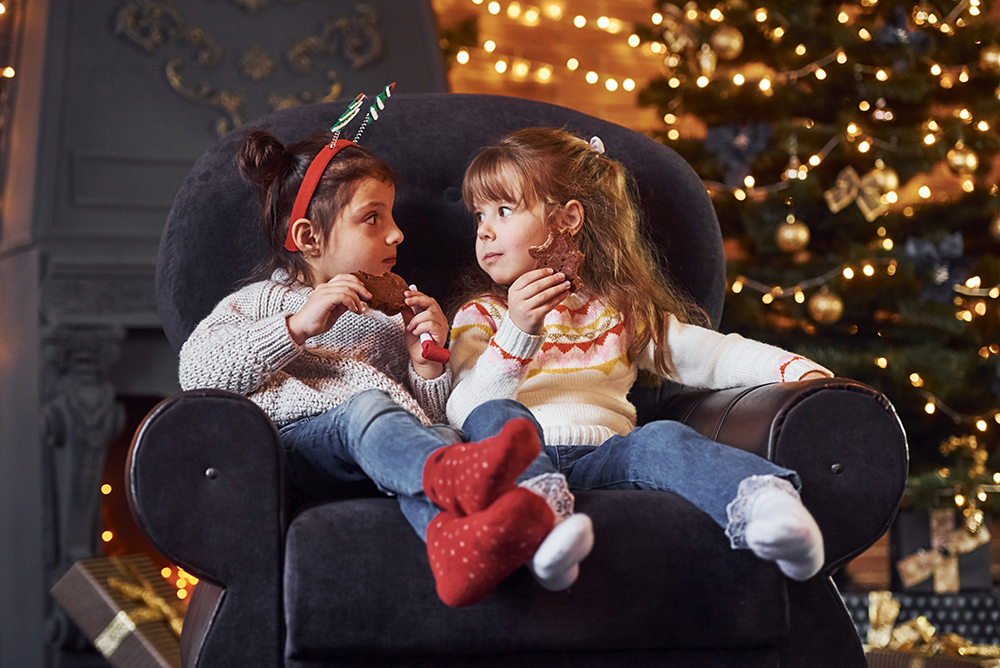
887,658
931,551
125,608
973,615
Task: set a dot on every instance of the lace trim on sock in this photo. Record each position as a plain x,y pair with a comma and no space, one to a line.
740,510
555,490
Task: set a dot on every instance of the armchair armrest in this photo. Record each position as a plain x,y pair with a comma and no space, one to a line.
205,481
842,437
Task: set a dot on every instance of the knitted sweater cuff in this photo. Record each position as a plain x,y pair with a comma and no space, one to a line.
516,343
273,342
431,393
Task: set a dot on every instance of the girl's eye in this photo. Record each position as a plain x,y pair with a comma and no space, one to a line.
372,219
480,217
506,211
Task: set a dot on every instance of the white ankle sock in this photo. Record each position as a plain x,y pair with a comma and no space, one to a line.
768,517
556,563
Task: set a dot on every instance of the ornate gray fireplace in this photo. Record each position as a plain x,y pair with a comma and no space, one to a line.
112,102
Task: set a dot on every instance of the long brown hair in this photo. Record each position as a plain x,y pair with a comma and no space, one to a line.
277,171
552,167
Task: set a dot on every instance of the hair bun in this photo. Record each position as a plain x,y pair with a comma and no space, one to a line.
263,159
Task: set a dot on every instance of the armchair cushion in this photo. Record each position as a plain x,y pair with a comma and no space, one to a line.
670,573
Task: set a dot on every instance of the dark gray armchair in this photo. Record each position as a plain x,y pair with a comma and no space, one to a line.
346,582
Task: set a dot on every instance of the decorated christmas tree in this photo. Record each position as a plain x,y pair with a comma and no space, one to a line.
851,151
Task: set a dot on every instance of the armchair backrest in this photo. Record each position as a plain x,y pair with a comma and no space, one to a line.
211,240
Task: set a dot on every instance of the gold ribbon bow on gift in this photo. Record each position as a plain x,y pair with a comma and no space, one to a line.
941,561
154,608
866,191
917,636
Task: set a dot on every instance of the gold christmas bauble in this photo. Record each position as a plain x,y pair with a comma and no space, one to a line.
989,58
885,177
962,159
727,42
792,236
826,307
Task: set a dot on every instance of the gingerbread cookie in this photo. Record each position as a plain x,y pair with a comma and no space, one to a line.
387,291
559,252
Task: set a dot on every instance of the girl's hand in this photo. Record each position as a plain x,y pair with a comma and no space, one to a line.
431,321
532,296
328,302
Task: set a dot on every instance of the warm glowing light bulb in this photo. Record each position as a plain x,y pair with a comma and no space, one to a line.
868,270
611,85
800,50
738,79
673,82
765,84
514,10
924,192
8,72
105,489
881,75
592,77
864,34
702,81
820,73
959,500
603,22
935,69
929,139
107,536
981,425
983,126
864,146
843,17
916,380
974,282
628,84
848,273
494,8
489,46
182,594
748,181
841,57
716,14
521,69
544,73
579,21
761,15
501,66
739,194
462,56
657,18
737,286
555,11
881,362
673,134
814,160
634,41
929,408
767,298
572,64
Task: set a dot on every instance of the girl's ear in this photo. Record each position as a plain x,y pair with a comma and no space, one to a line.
571,217
306,236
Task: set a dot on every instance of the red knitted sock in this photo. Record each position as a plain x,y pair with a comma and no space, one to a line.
471,555
465,478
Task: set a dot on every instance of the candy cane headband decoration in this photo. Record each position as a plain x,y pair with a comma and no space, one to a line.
328,152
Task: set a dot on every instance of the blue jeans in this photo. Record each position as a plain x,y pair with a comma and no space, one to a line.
663,455
369,436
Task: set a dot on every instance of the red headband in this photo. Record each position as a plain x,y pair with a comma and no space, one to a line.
309,183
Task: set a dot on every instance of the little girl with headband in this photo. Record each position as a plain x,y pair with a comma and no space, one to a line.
348,386
570,358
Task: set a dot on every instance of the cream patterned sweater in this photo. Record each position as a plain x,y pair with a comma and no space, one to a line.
575,376
244,346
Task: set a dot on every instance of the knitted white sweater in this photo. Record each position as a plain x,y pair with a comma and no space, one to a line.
244,346
575,376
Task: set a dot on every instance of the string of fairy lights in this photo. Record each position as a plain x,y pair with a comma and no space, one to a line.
183,581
